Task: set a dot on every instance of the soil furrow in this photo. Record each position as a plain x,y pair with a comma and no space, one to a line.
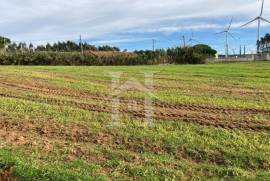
156,103
49,134
200,118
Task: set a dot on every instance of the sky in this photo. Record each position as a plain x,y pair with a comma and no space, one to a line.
133,24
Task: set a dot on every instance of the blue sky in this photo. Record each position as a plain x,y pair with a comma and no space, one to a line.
131,24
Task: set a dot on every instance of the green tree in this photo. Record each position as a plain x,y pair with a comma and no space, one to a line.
4,42
108,48
204,49
264,43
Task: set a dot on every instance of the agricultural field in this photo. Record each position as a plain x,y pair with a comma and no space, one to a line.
208,122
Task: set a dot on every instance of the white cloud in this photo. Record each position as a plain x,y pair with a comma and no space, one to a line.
124,40
48,20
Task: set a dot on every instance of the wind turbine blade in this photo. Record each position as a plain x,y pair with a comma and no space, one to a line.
196,41
249,22
265,20
220,32
231,35
230,25
262,8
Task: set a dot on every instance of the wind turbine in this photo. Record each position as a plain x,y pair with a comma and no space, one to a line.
227,33
259,19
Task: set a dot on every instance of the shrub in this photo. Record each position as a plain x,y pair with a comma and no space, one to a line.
188,55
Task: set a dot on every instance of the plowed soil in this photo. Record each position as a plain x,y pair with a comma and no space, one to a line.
229,118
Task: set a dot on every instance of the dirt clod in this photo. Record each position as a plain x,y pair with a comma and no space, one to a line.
6,174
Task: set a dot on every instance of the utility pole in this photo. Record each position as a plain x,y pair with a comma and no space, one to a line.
233,51
4,44
244,50
81,46
240,52
153,45
184,41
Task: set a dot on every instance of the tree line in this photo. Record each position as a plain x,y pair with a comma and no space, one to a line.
264,44
66,46
69,53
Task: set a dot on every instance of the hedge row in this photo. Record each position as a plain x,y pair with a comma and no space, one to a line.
66,58
177,56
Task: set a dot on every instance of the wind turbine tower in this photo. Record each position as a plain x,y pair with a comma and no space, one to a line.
259,19
227,34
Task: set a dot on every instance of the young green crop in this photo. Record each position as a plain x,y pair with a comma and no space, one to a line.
50,129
